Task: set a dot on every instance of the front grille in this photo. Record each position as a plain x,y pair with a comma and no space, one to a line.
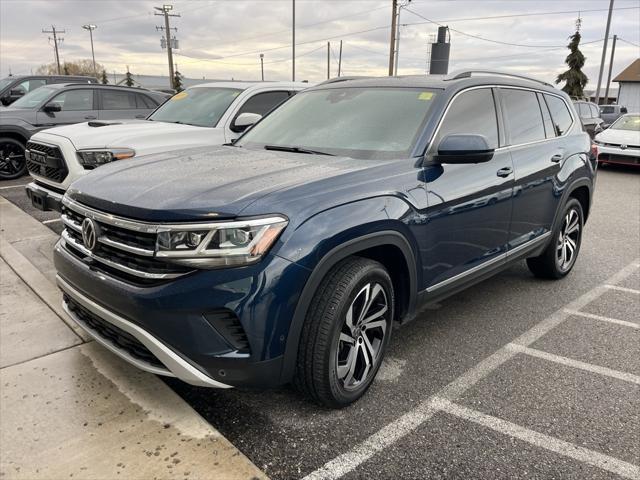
610,157
50,163
228,325
116,336
120,252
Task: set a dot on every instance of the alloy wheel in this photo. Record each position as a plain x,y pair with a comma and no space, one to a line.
568,240
362,336
11,159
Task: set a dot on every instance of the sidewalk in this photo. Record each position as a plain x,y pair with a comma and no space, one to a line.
71,409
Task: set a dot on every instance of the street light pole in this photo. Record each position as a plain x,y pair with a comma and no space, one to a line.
91,28
293,41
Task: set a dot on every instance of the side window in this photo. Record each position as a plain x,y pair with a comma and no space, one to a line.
546,117
594,110
263,103
472,112
523,116
559,114
117,100
144,102
584,110
75,100
29,85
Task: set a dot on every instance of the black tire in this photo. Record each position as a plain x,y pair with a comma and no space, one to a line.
318,369
12,160
551,264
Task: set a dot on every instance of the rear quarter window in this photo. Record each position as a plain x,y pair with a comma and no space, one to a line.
560,114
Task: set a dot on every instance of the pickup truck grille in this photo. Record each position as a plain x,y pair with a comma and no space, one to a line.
120,252
46,161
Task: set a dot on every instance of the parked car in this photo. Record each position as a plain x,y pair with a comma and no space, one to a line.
620,143
610,113
14,87
207,114
63,104
290,255
590,117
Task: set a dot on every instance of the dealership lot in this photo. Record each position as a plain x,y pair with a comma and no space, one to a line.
514,378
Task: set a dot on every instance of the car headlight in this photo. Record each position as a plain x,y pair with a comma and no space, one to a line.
219,244
94,158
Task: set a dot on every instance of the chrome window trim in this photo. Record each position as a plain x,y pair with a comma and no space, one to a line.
488,263
505,147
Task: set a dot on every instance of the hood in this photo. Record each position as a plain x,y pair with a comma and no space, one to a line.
126,133
203,183
8,114
620,137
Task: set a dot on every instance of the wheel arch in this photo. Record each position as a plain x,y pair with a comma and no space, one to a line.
390,248
15,135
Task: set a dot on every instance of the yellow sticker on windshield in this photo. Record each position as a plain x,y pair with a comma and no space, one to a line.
180,96
425,96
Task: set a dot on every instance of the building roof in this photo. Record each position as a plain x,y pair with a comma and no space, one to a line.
630,74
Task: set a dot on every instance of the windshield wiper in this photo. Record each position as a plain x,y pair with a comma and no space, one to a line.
283,148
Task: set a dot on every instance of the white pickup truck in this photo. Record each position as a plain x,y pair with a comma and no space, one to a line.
206,114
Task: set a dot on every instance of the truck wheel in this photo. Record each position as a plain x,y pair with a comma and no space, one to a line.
560,256
346,331
12,160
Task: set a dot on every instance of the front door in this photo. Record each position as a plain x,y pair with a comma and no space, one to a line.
467,223
76,106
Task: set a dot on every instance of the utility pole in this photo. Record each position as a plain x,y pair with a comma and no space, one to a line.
55,42
165,9
262,65
392,42
604,52
293,41
400,6
340,59
91,28
613,51
328,60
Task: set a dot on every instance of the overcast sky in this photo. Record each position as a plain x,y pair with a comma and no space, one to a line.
222,39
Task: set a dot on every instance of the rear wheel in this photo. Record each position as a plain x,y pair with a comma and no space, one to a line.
560,256
12,160
345,334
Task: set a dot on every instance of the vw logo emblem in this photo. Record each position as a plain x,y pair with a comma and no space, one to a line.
623,147
90,233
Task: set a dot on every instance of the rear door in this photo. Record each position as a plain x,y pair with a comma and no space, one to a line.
116,104
537,150
469,205
77,105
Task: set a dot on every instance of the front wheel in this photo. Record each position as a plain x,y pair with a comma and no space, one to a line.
345,334
12,160
560,256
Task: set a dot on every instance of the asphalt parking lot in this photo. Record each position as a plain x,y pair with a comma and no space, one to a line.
514,378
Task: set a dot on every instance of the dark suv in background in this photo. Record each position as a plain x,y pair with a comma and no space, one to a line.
291,255
590,117
63,104
14,87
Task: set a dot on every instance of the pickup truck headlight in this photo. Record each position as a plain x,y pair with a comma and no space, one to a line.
94,158
219,244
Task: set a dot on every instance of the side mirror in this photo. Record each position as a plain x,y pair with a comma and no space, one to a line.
52,107
464,149
16,93
244,121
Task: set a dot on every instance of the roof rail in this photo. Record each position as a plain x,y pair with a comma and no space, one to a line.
342,79
469,74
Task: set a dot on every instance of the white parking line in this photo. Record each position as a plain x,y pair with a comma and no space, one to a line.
603,319
627,377
584,455
622,289
53,220
411,420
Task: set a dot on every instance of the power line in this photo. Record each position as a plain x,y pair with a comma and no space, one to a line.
56,40
627,41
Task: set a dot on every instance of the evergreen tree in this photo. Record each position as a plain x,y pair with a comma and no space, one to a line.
177,82
574,77
65,69
104,78
128,80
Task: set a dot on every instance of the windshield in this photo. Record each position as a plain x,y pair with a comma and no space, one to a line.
33,98
200,106
358,122
628,122
5,82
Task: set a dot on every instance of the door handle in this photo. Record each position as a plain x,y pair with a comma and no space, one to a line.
141,116
504,172
557,158
90,117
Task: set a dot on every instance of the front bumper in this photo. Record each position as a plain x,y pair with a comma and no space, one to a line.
626,156
173,320
44,198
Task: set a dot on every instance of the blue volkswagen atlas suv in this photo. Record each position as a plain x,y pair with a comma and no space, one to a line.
290,255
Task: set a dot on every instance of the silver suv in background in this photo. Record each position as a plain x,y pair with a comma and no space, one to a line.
14,87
